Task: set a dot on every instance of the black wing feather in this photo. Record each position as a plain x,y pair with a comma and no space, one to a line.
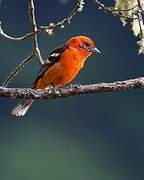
51,60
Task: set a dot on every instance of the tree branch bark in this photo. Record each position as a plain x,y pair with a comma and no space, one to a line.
71,90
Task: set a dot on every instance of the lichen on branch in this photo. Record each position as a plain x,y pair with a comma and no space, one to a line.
136,13
130,12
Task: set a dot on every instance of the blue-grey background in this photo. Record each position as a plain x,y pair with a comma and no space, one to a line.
94,137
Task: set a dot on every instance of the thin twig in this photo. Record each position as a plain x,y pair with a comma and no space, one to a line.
16,70
140,16
72,90
115,12
48,28
35,30
4,35
36,49
61,24
111,9
141,31
139,4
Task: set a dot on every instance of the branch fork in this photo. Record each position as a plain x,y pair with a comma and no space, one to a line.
53,93
35,30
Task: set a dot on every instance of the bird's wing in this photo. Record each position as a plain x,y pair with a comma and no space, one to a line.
53,58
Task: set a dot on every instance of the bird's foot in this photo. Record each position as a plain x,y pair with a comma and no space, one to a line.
72,86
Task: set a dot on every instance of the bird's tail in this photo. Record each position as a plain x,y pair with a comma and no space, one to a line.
22,108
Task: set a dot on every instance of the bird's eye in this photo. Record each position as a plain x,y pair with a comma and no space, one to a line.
87,44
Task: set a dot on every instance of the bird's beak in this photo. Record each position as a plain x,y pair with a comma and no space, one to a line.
94,49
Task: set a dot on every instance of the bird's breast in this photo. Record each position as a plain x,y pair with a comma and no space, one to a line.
65,70
72,60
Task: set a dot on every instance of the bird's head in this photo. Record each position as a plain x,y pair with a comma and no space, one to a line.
84,44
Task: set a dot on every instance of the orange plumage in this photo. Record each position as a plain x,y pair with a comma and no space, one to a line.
63,65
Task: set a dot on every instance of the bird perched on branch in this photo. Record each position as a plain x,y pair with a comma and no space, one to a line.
62,66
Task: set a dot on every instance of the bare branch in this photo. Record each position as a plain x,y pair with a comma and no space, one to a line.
72,90
77,8
139,15
36,49
111,9
115,12
139,4
4,35
16,70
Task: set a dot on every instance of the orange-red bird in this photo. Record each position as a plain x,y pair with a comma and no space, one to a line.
62,66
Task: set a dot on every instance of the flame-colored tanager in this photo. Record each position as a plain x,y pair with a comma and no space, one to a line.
62,66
